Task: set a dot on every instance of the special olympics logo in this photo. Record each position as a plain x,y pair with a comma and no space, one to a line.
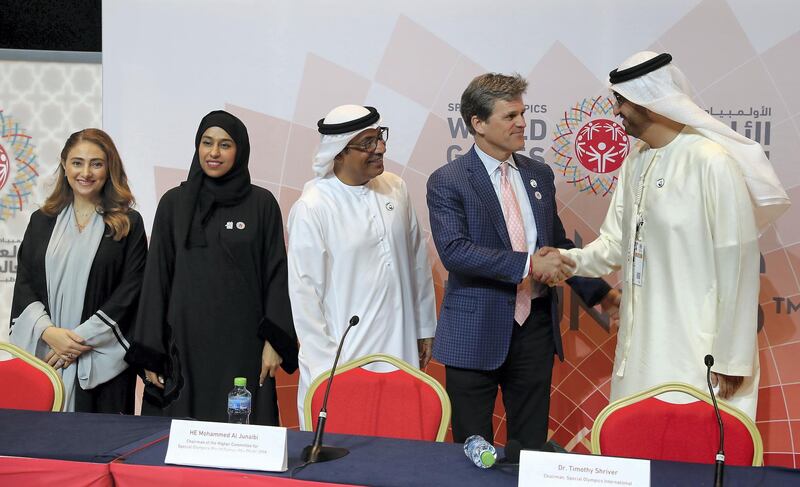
5,167
19,168
589,146
601,145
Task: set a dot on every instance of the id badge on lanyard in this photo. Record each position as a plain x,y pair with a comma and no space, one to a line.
638,243
638,256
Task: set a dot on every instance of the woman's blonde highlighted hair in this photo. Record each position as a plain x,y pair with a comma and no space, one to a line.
115,197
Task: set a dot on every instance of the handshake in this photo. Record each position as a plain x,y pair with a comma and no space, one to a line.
549,267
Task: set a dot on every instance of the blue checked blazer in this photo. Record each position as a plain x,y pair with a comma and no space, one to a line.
477,313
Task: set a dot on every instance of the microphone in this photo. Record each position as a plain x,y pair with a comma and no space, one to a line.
510,462
718,472
315,452
512,450
553,447
511,458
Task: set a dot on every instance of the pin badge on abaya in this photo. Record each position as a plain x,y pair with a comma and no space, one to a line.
660,183
534,184
389,206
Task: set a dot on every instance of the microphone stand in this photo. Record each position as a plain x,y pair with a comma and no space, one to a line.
720,463
315,452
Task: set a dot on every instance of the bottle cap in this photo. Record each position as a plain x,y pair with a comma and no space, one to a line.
240,381
488,458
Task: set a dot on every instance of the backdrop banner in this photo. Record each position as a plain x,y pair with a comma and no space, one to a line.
281,66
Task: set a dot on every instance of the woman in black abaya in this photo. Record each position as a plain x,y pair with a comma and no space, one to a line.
215,302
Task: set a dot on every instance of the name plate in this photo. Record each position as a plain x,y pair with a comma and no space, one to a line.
223,445
562,469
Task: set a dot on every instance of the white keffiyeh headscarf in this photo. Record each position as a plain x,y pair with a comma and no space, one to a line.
338,128
665,90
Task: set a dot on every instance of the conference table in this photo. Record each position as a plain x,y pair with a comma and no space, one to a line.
39,448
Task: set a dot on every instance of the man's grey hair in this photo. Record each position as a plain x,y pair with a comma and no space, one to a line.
479,97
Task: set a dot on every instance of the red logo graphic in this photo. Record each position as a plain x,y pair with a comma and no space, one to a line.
601,146
588,147
5,167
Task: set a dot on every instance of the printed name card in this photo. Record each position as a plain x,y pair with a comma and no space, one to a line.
538,468
223,445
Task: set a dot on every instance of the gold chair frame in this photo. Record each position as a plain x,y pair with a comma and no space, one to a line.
758,445
396,362
50,372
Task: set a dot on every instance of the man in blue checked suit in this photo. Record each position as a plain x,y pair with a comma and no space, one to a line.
493,215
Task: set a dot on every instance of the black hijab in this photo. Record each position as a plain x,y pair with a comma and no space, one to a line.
201,194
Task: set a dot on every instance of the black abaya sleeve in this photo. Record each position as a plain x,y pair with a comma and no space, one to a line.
148,348
30,285
277,325
120,307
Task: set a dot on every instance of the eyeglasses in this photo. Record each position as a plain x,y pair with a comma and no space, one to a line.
619,99
370,144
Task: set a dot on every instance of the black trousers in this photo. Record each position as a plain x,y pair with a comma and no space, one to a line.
524,379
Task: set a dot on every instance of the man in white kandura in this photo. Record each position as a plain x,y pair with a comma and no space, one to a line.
355,248
683,226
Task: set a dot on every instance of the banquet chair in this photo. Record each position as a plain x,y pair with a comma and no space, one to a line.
28,383
402,403
644,426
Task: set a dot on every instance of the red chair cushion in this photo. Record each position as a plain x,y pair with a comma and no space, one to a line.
391,404
659,430
23,386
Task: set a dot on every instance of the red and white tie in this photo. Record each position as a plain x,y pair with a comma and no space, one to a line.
516,232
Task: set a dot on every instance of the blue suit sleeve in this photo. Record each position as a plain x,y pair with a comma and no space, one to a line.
457,249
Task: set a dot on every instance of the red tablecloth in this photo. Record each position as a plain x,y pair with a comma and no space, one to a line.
35,472
147,476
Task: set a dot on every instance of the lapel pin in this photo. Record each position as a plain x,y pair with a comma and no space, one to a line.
538,195
534,184
660,182
389,206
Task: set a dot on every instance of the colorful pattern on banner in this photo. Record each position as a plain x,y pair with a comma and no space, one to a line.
41,103
19,168
588,145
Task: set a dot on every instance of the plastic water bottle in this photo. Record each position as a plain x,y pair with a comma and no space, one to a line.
480,451
239,401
